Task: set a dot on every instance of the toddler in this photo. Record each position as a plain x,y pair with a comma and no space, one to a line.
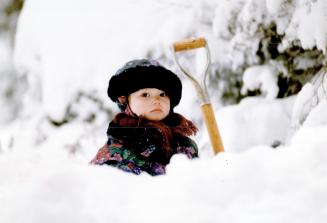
147,132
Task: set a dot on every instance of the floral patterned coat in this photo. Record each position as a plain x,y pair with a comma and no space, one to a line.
139,145
115,153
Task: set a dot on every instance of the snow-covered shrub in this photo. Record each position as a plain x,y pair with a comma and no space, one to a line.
290,34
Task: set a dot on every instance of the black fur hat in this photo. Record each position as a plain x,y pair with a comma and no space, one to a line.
144,73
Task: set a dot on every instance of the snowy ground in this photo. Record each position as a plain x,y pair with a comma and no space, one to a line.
286,184
64,48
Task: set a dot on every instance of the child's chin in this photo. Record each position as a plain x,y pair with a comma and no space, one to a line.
154,117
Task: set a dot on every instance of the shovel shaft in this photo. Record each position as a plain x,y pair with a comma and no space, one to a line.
211,124
189,44
206,108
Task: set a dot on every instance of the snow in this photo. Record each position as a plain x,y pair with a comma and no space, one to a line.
275,165
310,102
5,51
4,55
103,42
255,121
308,22
303,104
273,6
317,116
261,77
262,184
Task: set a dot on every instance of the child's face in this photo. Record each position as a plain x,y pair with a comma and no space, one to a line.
151,103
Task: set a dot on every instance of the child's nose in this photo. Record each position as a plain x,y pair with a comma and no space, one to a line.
156,99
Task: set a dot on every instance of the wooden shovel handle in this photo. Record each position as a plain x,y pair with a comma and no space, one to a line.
210,121
189,44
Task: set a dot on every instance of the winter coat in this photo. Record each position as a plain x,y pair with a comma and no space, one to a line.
136,145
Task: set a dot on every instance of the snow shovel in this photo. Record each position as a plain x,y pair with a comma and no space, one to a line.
206,107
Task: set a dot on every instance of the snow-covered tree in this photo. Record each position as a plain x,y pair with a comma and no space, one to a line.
289,35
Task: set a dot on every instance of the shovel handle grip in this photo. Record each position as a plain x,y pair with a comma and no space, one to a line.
213,132
189,44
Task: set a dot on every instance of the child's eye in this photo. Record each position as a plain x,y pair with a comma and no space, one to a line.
163,94
145,95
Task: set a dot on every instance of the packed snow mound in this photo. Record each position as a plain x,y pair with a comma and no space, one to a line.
260,185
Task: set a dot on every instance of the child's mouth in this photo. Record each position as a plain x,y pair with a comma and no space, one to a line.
156,110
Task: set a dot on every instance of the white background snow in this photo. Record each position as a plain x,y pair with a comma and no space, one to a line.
66,47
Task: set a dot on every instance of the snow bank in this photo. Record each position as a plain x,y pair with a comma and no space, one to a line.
286,184
256,121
